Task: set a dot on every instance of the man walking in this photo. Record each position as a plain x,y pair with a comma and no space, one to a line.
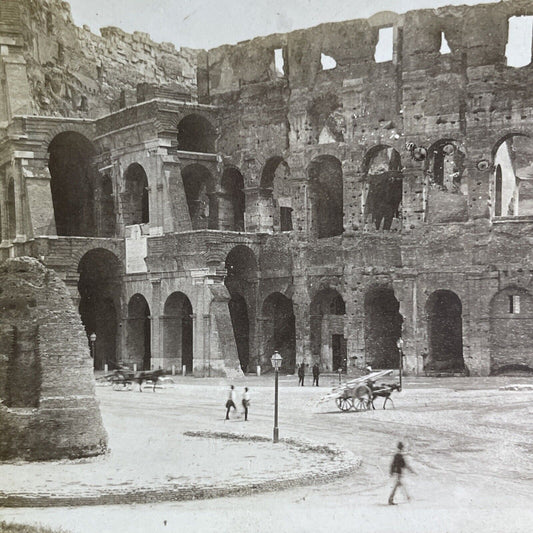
246,403
231,401
301,374
396,468
316,373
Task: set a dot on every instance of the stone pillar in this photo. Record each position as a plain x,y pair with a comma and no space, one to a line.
405,291
157,356
207,345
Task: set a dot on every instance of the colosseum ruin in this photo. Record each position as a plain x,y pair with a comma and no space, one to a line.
322,192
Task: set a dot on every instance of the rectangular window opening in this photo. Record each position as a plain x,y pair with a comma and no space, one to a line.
279,62
519,41
514,304
385,46
444,46
285,214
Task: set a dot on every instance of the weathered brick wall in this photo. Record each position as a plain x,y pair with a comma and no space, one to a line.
48,408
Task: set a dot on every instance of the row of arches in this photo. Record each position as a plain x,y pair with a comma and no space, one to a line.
99,287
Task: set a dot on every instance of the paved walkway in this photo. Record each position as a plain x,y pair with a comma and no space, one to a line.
154,461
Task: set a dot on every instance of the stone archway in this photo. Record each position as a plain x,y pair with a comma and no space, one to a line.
241,280
383,328
279,330
326,187
178,331
135,200
328,344
72,184
196,134
511,331
99,290
445,332
139,333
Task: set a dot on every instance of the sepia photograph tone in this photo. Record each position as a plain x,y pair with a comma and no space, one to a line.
266,266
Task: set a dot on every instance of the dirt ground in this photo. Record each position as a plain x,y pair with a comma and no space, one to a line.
469,443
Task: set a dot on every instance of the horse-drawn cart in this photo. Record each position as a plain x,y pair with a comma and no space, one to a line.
123,378
359,394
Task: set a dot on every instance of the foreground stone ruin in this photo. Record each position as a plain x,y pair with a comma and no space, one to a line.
320,193
48,408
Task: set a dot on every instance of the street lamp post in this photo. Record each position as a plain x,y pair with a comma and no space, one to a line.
276,363
92,342
399,343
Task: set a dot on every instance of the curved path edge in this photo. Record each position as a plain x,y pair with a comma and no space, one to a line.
343,463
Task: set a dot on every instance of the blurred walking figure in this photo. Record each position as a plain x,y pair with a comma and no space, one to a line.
232,396
301,374
396,469
316,373
246,402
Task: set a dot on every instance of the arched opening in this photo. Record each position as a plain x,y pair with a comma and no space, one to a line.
11,212
275,196
72,184
106,209
511,331
445,168
198,186
513,176
241,280
99,290
196,134
135,204
328,344
326,187
279,330
383,188
178,332
232,202
445,332
383,328
139,333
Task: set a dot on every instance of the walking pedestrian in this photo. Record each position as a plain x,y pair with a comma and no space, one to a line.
316,374
301,374
396,469
231,401
246,403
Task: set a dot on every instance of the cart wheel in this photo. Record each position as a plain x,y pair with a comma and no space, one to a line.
344,404
362,398
361,404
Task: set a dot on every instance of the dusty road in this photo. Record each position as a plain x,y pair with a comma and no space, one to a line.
469,444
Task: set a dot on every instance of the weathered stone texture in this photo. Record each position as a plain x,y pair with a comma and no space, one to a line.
48,408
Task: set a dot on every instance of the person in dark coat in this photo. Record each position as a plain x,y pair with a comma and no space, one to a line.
316,373
301,374
396,469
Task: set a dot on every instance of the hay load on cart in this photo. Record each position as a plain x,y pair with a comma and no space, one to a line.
358,394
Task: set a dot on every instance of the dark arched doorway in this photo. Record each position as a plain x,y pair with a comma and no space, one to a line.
231,203
72,184
178,332
326,187
383,328
383,188
445,332
99,289
139,333
199,187
328,344
279,331
275,196
241,280
135,201
196,134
